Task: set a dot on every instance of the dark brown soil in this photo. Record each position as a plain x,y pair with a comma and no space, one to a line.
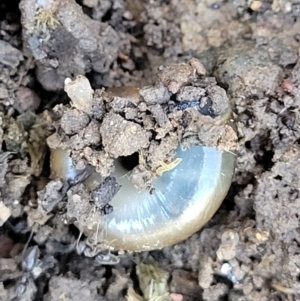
175,51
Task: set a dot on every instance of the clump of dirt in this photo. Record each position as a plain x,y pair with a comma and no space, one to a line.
152,122
65,41
24,138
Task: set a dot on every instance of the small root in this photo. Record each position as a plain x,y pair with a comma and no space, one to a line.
167,166
45,19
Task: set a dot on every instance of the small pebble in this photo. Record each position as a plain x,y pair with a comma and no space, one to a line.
215,6
5,213
9,55
227,249
3,93
27,100
256,5
176,297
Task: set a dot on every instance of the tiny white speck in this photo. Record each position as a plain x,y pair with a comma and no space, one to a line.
67,81
226,268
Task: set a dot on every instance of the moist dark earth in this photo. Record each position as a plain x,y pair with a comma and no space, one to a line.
249,48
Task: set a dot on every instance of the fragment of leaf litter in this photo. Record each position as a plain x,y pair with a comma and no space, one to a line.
153,283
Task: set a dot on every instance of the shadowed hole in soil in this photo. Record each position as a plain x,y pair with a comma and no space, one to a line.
137,30
248,144
236,188
107,16
158,255
130,162
228,202
263,148
12,7
43,287
135,282
223,279
74,230
266,160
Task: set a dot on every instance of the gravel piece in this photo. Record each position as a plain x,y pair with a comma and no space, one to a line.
74,120
4,213
228,247
81,93
3,93
27,100
155,94
206,272
190,93
219,99
177,75
10,56
69,289
51,195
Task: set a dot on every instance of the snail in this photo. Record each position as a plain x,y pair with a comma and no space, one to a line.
183,200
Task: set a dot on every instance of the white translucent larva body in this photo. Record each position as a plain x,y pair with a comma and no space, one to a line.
184,199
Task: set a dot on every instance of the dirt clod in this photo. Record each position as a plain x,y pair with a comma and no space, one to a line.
10,56
153,95
121,137
74,120
102,195
227,249
69,289
27,100
176,76
215,292
186,284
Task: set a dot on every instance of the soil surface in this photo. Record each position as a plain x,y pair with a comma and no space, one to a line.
183,62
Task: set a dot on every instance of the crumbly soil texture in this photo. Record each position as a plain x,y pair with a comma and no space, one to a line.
185,62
